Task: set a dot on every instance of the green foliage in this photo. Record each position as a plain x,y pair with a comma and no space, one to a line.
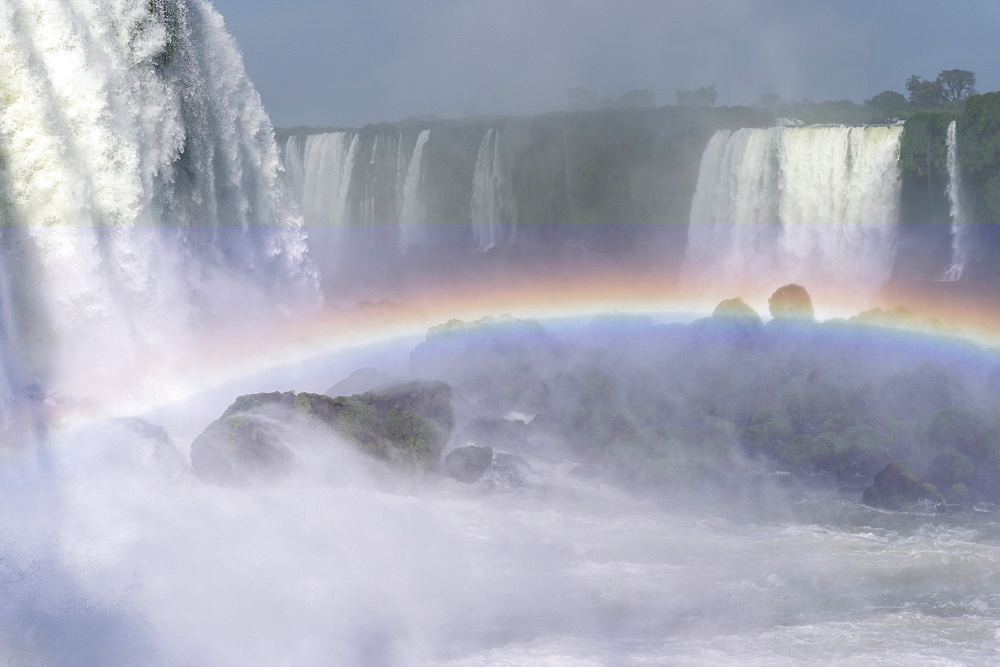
962,430
767,432
888,100
979,152
923,152
957,84
925,93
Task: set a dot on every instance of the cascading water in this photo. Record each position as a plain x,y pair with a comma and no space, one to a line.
493,213
816,205
412,213
328,166
294,161
959,220
139,190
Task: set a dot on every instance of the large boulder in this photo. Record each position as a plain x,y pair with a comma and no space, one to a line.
736,310
898,488
257,437
791,302
467,464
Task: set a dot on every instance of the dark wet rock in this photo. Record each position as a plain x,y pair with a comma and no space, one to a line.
898,488
736,310
406,426
240,447
467,464
951,471
508,471
791,302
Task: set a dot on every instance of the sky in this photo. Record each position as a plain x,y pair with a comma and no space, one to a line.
352,62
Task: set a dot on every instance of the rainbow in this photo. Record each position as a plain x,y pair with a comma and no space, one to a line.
945,313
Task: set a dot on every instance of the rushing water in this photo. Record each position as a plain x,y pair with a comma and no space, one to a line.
143,563
493,212
139,191
412,207
959,220
140,206
816,205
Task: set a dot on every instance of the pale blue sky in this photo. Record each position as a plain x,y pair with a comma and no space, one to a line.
351,62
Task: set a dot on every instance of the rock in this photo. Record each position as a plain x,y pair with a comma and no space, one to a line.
467,464
406,426
952,470
791,302
241,447
736,309
897,488
508,471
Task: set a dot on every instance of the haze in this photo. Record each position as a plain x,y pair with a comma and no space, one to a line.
350,63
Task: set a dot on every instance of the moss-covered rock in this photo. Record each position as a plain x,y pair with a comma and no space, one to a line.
896,487
407,426
467,464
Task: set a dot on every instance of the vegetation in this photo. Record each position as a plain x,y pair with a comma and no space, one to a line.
671,406
979,152
922,153
260,435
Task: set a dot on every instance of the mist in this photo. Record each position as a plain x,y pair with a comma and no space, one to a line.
355,64
638,383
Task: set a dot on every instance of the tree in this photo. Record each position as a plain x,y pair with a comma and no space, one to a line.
704,96
887,99
979,149
925,93
957,84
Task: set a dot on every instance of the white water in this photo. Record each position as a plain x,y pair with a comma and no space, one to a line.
412,211
959,220
294,161
139,190
493,212
815,205
145,564
327,170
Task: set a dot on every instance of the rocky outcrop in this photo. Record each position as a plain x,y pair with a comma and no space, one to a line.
467,464
898,488
791,302
257,437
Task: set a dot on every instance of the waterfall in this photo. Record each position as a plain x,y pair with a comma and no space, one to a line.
295,175
412,211
959,220
493,212
816,205
140,192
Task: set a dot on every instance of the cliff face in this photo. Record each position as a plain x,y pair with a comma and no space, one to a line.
418,196
387,202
